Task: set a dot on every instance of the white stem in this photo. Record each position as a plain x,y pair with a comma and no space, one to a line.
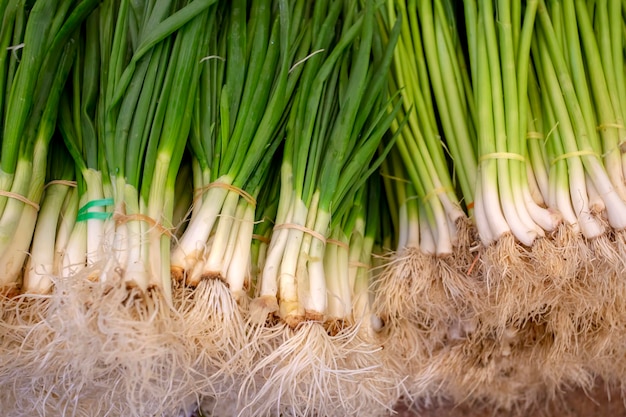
185,254
589,224
40,268
356,247
13,210
596,204
361,309
533,186
288,287
226,226
548,220
95,229
240,263
75,256
515,213
491,202
482,224
195,274
234,238
135,268
452,231
67,222
613,171
12,261
427,238
615,206
443,240
273,260
332,268
403,218
337,271
317,278
564,205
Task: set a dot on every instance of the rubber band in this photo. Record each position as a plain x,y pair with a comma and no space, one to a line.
60,182
473,265
534,135
607,125
359,265
502,155
94,215
218,184
261,238
21,198
305,59
311,232
84,214
338,243
125,218
470,205
393,177
437,191
572,155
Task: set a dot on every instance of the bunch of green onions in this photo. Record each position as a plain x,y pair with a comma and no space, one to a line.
308,208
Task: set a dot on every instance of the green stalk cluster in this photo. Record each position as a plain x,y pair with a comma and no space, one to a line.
38,49
421,149
245,92
148,100
576,69
337,122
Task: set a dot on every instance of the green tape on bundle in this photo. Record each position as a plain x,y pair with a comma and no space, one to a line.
84,214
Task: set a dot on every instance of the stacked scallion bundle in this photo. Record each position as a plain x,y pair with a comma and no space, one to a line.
540,174
310,333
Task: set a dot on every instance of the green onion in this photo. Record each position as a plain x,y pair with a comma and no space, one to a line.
30,120
577,138
246,112
42,266
152,97
78,125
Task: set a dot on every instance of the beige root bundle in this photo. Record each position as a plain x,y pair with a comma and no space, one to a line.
94,346
213,326
549,213
310,370
333,363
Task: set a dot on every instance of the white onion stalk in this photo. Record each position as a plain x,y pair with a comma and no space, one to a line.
191,246
65,228
249,112
568,108
40,267
30,176
34,85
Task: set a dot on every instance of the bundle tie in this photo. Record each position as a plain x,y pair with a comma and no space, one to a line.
502,155
573,155
311,232
437,191
261,238
534,135
60,182
125,218
219,184
338,243
393,177
359,265
608,125
84,213
21,198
